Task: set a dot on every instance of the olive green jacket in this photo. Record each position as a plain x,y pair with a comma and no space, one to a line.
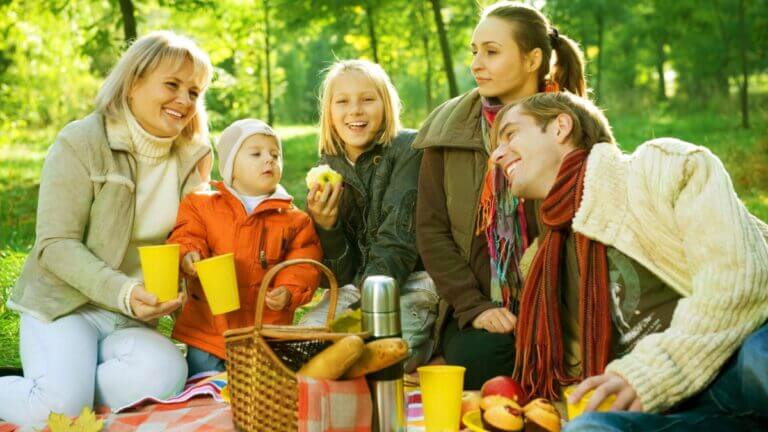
85,218
455,164
456,125
375,233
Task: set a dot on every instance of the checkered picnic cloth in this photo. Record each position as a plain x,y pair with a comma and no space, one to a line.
185,411
207,415
201,415
202,384
334,406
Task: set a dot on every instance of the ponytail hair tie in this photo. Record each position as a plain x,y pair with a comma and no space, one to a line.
554,38
551,86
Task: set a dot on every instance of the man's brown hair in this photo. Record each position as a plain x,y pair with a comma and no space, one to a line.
589,123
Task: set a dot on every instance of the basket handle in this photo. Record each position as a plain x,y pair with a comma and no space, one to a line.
261,299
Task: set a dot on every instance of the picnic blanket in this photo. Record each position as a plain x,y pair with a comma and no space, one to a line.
201,407
200,414
186,411
211,384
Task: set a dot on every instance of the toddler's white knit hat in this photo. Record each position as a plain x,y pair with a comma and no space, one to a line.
232,138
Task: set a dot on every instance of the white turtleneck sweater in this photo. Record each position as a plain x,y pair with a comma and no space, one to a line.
157,194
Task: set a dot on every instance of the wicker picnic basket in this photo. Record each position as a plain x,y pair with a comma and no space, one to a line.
262,361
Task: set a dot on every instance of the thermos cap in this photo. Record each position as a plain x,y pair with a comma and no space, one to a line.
380,295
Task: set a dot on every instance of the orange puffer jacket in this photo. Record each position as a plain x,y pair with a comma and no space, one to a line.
215,223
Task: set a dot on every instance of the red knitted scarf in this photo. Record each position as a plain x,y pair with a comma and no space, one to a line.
539,359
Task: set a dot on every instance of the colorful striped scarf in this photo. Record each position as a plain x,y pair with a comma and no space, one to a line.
502,218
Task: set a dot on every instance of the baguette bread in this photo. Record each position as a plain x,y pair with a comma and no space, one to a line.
332,362
378,355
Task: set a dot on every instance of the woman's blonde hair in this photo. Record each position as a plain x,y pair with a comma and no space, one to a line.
330,143
143,57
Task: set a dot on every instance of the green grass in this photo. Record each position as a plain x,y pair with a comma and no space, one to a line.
744,153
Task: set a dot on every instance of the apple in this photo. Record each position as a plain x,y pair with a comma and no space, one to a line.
322,175
504,386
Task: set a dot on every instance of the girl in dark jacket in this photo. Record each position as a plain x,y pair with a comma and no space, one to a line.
366,223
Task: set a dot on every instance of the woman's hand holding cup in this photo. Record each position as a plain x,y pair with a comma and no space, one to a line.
145,306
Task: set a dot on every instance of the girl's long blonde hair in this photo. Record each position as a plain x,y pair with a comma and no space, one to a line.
143,57
330,143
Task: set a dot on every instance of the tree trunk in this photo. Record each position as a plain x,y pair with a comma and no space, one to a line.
453,88
371,30
129,20
427,56
660,59
600,17
270,112
744,65
721,81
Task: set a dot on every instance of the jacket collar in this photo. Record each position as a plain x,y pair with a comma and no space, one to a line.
280,199
349,173
455,124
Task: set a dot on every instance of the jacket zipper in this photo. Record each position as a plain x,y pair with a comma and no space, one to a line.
262,252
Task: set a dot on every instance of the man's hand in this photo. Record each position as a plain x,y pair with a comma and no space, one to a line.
146,308
496,320
605,385
188,263
324,208
278,298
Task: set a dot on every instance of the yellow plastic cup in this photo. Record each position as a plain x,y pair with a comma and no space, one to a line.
577,409
441,388
219,280
160,267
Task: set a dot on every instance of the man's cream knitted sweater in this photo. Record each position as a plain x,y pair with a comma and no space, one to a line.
671,206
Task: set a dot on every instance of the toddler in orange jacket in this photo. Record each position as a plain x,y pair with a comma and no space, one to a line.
251,215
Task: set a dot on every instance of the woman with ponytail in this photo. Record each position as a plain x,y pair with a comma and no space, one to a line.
468,242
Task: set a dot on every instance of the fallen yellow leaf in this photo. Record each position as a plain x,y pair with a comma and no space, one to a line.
86,422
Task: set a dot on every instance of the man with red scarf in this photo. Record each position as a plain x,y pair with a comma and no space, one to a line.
650,282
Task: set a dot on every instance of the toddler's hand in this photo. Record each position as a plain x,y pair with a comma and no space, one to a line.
188,263
278,298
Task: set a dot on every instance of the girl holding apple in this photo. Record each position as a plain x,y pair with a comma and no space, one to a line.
366,221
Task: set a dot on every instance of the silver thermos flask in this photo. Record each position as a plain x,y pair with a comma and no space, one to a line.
381,318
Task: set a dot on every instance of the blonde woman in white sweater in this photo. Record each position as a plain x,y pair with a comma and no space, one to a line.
651,283
111,182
